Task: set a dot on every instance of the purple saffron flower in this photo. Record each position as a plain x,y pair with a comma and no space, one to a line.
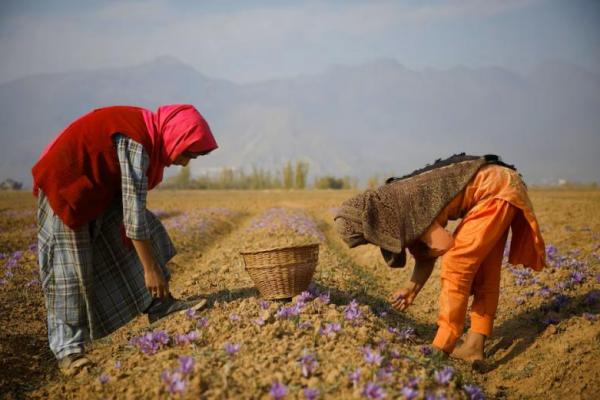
117,364
186,338
32,248
190,313
577,277
426,350
551,251
299,306
443,376
278,391
330,329
373,391
259,321
17,255
305,296
545,291
325,298
202,322
409,393
173,381
289,312
372,357
234,317
264,304
305,325
310,394
407,333
186,364
474,392
104,378
231,348
560,286
352,312
308,363
161,337
192,336
354,376
181,338
283,312
150,342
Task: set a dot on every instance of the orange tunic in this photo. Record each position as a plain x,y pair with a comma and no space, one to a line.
492,182
494,201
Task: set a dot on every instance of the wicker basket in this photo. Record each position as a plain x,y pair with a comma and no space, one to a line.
283,272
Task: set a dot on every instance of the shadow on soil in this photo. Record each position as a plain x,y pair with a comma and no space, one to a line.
226,295
164,215
526,327
26,363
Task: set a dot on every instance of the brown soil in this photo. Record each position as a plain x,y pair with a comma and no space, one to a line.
539,349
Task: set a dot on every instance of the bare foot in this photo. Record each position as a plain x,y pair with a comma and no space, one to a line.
467,353
471,349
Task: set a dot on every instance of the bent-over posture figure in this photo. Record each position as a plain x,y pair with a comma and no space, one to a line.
411,212
102,254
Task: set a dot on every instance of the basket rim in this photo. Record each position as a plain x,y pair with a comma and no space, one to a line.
279,248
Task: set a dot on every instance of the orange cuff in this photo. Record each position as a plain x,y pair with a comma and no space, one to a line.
445,340
482,324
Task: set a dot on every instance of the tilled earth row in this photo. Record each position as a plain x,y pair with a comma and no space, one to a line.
338,340
321,344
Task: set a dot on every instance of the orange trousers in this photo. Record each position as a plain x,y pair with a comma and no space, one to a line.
472,266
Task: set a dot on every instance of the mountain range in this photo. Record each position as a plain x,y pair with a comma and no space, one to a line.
376,118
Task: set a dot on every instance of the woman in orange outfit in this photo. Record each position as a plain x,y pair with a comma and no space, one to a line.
493,200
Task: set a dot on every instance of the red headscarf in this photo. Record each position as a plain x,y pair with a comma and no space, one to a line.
174,129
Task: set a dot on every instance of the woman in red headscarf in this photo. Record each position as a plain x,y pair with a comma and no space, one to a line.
102,254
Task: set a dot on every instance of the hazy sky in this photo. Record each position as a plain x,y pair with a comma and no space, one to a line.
248,41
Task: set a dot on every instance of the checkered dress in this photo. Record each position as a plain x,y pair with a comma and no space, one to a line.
92,281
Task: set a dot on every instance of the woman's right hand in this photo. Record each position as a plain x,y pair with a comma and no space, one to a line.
153,276
156,283
403,297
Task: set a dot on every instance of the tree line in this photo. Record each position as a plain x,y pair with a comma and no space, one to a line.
290,176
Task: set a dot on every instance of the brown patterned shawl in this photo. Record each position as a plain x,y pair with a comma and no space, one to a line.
396,214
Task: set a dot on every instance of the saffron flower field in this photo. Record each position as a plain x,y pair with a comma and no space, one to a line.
337,340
